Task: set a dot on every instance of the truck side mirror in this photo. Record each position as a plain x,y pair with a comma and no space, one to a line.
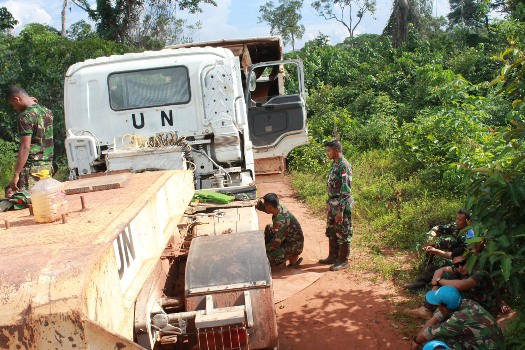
252,81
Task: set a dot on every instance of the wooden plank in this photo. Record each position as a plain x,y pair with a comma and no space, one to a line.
99,183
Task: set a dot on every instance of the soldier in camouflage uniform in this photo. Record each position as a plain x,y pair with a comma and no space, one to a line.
477,286
442,240
284,238
460,323
35,129
339,208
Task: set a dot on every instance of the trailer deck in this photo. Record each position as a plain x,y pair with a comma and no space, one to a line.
62,282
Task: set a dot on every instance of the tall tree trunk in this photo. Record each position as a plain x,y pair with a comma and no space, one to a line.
64,6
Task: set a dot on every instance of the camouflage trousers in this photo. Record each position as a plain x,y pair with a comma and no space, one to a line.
26,181
342,233
284,252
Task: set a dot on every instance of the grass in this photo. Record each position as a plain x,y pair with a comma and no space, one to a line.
394,208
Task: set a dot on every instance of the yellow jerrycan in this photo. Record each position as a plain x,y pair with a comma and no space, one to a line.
48,198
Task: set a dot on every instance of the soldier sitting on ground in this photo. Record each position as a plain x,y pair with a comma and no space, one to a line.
477,285
460,323
442,240
284,238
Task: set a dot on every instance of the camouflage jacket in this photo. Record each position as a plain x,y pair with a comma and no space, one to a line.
340,185
450,236
287,230
37,121
19,200
484,293
470,327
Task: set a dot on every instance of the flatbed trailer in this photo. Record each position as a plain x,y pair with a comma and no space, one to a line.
97,279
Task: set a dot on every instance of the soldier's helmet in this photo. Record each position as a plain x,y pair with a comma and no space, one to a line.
435,345
446,295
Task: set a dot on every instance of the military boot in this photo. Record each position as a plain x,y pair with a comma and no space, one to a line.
419,284
424,278
332,252
342,260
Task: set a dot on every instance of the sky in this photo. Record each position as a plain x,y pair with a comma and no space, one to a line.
230,19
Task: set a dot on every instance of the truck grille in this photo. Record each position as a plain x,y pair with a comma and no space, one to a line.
231,337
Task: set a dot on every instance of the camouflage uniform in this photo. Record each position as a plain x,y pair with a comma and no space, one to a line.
470,327
284,238
340,199
19,200
36,121
450,237
485,293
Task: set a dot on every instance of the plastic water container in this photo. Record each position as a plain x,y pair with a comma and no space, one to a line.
48,198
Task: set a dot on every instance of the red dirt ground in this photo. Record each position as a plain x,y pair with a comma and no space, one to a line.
341,310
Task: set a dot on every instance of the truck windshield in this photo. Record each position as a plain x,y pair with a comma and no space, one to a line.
149,88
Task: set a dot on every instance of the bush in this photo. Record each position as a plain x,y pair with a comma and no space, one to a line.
7,162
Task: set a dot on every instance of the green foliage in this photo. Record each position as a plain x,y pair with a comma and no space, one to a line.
80,30
437,140
310,158
7,21
426,134
469,13
284,19
395,205
312,190
37,60
515,331
7,162
510,80
497,187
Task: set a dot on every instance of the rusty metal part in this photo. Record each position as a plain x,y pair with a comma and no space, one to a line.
83,203
263,334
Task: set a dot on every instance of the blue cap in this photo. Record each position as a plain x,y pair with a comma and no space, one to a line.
446,295
435,344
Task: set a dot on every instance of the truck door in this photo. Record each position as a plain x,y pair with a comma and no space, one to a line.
276,107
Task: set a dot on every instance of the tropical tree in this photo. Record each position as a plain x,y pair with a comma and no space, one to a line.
160,24
343,11
469,13
7,21
284,19
404,13
80,30
123,20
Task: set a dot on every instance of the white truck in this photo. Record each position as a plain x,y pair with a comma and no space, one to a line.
216,108
134,265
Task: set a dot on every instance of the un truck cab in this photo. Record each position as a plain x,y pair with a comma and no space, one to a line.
219,111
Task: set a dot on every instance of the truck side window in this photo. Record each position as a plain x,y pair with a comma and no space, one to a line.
149,88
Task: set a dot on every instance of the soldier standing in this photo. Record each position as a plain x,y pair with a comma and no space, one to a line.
284,238
35,129
338,207
461,323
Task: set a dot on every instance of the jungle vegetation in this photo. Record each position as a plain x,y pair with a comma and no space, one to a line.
430,114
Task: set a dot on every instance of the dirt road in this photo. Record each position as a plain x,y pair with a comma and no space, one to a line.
341,310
